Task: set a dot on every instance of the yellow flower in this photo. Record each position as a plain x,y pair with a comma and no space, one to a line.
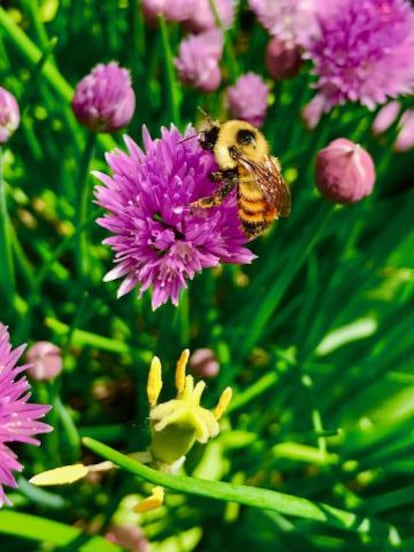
177,424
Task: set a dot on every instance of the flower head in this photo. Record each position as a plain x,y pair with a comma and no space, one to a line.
291,21
202,17
104,100
248,99
18,418
203,362
283,59
198,60
9,115
172,10
45,359
345,172
178,423
159,240
363,51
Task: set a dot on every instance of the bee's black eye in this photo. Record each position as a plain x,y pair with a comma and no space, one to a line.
245,137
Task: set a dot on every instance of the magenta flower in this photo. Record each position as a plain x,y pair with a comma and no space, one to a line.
18,418
198,60
9,115
159,240
202,17
104,100
363,51
291,21
283,59
248,99
345,172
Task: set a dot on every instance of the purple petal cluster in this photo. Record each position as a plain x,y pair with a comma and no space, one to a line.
363,51
202,17
9,115
198,60
159,239
291,21
104,100
18,418
248,99
172,10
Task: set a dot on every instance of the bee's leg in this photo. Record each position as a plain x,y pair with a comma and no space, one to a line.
229,180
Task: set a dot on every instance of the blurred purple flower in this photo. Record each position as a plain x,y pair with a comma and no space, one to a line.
9,115
202,17
345,172
18,418
283,59
203,363
291,21
405,137
363,51
198,60
159,240
248,99
45,359
104,100
172,10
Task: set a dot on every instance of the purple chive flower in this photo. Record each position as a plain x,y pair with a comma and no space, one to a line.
18,418
363,51
104,100
202,17
283,59
198,60
9,115
291,21
345,172
45,359
248,99
159,239
171,10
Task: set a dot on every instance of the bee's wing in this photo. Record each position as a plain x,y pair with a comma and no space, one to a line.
270,182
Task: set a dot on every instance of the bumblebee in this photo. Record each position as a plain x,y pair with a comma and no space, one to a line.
242,155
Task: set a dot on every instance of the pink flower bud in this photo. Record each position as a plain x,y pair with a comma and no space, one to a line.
283,59
45,359
104,100
204,364
385,117
9,115
405,138
345,172
248,99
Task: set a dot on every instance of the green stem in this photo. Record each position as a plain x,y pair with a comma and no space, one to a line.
231,59
82,257
7,280
173,90
244,494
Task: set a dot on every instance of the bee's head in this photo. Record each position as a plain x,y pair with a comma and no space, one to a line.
207,137
247,142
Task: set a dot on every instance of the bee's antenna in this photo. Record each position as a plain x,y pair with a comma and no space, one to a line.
206,115
188,138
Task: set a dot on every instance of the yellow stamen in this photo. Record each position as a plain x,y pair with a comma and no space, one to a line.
154,384
151,502
60,476
198,391
180,371
223,403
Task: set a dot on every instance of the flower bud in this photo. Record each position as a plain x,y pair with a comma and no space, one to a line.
248,99
203,363
9,115
104,100
283,59
45,359
345,172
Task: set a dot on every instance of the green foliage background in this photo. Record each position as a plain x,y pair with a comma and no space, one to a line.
315,337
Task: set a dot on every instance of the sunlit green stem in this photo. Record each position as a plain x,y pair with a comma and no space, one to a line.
173,90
